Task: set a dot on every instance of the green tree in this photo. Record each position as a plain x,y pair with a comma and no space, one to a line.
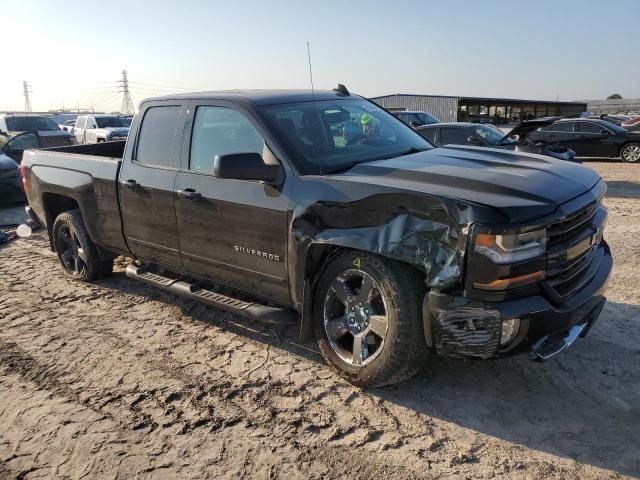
615,96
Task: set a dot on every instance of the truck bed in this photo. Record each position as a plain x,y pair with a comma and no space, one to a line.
88,175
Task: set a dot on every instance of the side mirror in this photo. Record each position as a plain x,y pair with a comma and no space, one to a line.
415,124
475,141
245,166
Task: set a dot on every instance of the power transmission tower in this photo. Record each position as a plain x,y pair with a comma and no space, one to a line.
27,101
127,104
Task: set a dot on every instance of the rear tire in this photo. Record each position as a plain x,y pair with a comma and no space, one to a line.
630,153
76,252
365,303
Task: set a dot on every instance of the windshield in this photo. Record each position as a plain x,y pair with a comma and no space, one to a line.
491,135
427,119
327,136
30,124
106,122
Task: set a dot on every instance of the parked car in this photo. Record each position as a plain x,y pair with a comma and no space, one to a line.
591,138
383,246
415,119
632,125
10,180
14,147
67,126
101,128
480,135
48,131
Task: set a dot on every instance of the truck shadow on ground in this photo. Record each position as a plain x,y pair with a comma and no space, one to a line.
623,189
582,405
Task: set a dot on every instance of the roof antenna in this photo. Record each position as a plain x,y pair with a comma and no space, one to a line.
342,90
313,93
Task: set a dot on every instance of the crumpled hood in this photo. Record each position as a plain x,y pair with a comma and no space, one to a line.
522,186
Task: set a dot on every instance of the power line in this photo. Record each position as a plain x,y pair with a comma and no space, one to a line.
186,89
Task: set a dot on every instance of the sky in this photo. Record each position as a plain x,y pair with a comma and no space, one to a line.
72,53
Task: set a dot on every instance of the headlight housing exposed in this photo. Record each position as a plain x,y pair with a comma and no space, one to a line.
512,247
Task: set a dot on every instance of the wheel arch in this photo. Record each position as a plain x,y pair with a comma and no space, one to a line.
53,205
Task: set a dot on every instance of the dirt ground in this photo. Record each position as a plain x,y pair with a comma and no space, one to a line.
119,380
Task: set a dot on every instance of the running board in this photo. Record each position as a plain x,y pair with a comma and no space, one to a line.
182,288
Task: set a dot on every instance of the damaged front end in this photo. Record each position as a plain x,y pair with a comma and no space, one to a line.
492,288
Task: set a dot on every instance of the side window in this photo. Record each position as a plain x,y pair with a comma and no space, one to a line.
405,118
587,127
562,127
81,122
453,136
220,131
91,122
157,136
429,134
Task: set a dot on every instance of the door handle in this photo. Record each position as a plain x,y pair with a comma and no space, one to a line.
132,184
189,194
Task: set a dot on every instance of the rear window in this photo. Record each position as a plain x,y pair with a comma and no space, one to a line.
30,124
157,136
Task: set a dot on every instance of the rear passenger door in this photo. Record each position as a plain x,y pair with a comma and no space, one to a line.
231,231
146,184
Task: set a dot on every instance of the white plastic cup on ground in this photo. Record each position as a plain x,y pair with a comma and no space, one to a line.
23,231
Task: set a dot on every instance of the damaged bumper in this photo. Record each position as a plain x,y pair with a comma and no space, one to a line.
459,327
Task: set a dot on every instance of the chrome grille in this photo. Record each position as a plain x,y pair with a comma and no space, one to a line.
572,253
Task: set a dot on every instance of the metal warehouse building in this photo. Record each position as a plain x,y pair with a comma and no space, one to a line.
464,109
614,106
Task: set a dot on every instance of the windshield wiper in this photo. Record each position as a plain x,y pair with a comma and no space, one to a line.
411,151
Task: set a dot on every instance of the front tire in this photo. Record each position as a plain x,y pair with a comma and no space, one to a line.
368,319
630,153
76,252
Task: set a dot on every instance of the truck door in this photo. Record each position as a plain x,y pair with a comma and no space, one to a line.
90,130
146,184
78,129
231,231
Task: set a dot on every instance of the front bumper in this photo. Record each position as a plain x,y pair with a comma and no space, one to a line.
459,327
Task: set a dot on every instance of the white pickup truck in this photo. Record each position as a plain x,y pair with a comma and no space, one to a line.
101,128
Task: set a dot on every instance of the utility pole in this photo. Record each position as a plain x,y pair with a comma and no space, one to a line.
127,104
27,101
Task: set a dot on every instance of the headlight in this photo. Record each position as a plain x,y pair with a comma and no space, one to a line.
511,248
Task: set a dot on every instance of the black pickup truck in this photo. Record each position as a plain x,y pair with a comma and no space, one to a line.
321,207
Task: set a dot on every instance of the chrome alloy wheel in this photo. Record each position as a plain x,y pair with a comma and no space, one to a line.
631,153
355,317
70,251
